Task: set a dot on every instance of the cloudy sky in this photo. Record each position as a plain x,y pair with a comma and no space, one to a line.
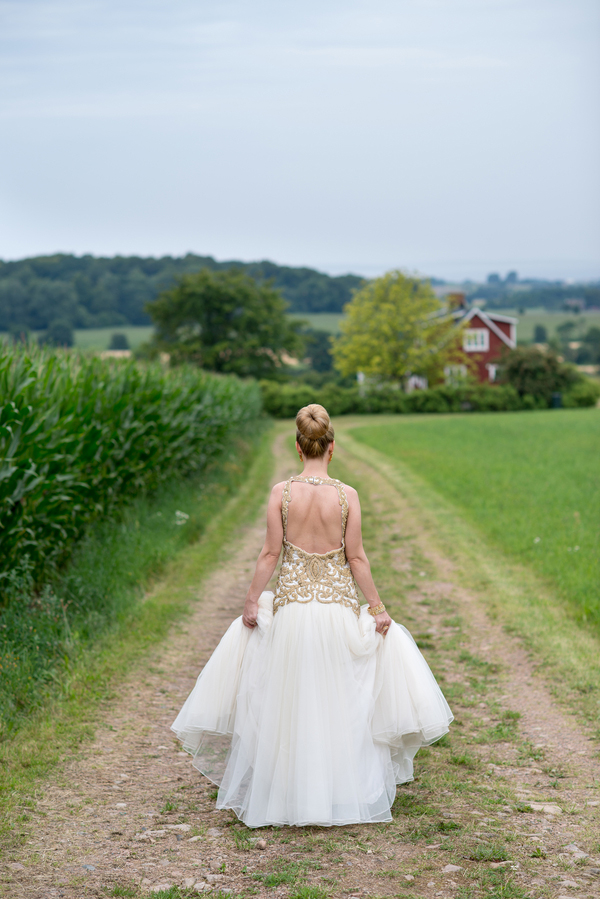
450,138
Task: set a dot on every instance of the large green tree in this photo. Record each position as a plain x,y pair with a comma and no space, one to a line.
395,326
225,321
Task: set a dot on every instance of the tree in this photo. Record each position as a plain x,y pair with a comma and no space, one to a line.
395,327
59,333
318,349
225,321
540,334
119,341
537,373
589,352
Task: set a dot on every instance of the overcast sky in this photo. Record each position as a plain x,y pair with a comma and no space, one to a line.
451,138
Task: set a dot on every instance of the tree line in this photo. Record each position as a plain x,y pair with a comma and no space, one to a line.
89,291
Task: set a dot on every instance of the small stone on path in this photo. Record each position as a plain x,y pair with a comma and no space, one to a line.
546,809
261,844
15,866
451,869
576,851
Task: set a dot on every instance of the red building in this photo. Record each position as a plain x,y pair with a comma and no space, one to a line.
485,336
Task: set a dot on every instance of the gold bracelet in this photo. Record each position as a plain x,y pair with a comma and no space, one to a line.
376,610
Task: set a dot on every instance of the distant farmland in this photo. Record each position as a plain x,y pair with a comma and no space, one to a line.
527,321
97,339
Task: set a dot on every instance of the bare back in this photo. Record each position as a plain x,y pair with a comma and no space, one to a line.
314,517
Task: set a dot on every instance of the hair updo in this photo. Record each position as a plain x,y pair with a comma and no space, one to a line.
314,431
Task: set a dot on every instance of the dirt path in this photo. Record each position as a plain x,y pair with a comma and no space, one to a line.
507,806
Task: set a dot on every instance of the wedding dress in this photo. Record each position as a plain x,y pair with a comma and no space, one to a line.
312,717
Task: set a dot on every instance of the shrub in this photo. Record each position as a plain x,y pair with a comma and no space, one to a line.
584,393
119,341
59,333
284,400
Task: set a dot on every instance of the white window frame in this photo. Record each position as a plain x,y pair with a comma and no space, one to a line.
476,340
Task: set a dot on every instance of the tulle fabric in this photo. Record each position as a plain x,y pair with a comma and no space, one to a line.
311,717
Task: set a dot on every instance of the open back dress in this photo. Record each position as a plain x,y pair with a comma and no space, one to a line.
312,717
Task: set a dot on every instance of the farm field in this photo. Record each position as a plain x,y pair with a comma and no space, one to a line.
320,321
100,436
550,320
527,321
99,338
529,481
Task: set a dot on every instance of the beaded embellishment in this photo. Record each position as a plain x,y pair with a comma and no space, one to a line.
308,577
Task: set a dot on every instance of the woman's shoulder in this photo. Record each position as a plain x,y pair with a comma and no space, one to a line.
351,492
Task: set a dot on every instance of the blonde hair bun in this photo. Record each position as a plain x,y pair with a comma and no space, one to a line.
314,431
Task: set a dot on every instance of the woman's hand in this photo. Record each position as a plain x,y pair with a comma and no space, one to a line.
250,613
382,623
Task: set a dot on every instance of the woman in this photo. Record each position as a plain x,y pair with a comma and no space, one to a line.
311,709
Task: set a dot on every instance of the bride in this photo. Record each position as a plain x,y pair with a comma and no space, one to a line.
312,707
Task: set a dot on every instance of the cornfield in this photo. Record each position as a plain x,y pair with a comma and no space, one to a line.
80,435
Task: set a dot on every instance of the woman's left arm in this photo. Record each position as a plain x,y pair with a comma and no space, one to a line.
268,557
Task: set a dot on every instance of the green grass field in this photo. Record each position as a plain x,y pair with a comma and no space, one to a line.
320,321
99,338
529,481
330,322
551,320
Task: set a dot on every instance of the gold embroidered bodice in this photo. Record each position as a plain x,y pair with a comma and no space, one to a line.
315,577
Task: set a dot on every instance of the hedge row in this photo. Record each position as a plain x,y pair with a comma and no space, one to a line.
284,400
79,436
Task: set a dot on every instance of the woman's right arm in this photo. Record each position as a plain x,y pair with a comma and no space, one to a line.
357,557
267,559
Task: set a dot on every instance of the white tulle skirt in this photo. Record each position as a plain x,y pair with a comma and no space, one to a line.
312,717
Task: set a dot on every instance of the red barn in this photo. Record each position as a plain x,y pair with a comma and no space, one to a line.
485,336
